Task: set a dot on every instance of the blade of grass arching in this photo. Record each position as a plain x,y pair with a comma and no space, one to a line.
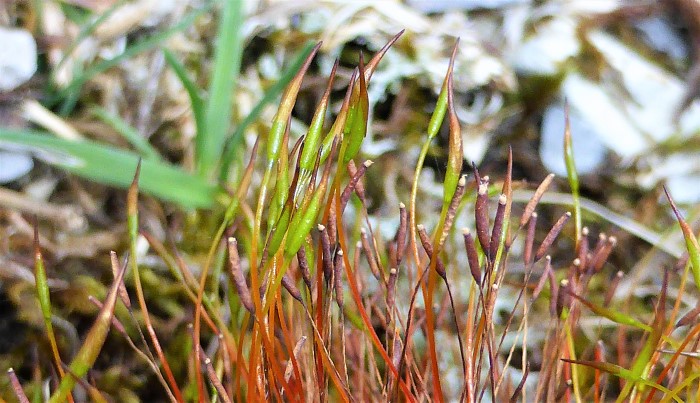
620,372
92,346
129,133
196,101
112,166
71,91
227,63
235,139
42,292
571,172
617,317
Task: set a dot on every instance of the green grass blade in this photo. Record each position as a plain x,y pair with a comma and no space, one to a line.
620,372
112,166
129,133
73,89
227,63
617,317
270,95
196,100
572,174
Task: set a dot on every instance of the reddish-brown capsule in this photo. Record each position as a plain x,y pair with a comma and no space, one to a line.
304,267
481,216
497,230
530,239
401,233
428,247
545,275
352,185
554,293
563,296
532,204
338,264
601,257
472,256
583,248
552,235
366,247
452,208
359,187
237,276
291,288
327,260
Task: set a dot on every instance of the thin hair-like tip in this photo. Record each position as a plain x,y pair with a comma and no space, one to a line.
502,199
484,187
321,227
401,205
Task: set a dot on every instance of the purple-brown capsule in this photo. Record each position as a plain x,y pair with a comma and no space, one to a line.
472,256
551,236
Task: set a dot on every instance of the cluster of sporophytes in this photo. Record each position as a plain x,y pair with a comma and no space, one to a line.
294,303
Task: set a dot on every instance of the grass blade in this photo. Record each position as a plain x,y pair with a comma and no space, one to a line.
71,92
42,292
196,101
111,166
129,133
270,95
691,242
227,63
571,173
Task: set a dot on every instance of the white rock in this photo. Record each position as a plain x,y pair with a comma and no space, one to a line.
589,151
14,165
548,48
17,58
